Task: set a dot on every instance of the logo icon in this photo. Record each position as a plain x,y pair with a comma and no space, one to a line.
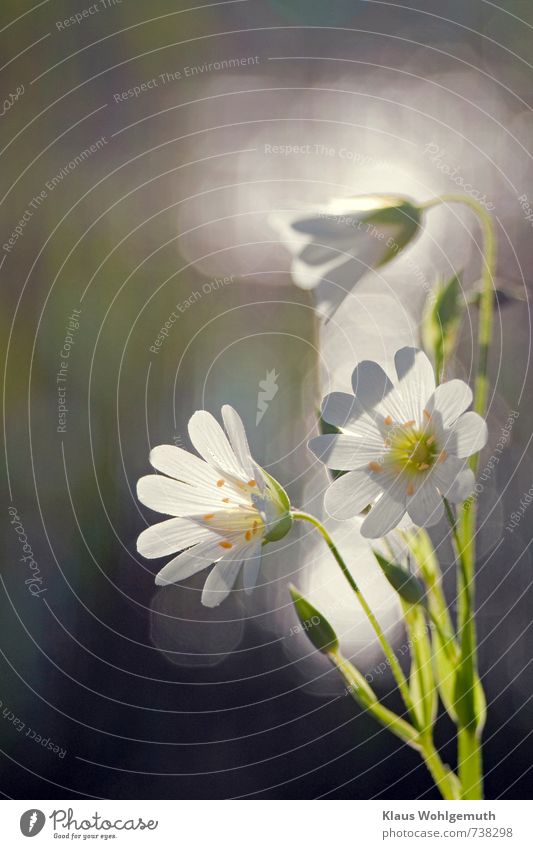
268,390
32,822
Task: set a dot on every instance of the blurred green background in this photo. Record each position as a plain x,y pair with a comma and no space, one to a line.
138,686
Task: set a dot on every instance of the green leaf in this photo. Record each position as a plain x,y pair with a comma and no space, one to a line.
470,707
407,585
445,667
315,625
421,680
441,321
445,649
446,652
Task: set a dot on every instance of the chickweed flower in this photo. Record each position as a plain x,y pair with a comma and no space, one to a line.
333,245
224,507
404,446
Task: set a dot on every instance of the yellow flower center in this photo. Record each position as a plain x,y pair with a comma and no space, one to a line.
411,450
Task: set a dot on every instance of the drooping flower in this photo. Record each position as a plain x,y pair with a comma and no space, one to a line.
335,244
224,507
404,446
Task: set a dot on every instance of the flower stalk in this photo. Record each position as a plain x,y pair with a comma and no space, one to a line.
463,529
396,669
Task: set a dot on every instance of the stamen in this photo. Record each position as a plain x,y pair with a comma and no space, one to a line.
252,482
388,420
221,482
256,525
225,500
430,440
225,544
410,489
443,456
248,535
375,467
209,516
423,466
410,423
427,415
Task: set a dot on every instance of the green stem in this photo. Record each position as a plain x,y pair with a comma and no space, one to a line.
364,695
470,764
469,745
396,669
487,292
445,780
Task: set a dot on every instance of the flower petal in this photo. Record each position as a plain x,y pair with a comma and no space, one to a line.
468,435
444,475
339,408
416,380
350,494
212,444
425,507
450,399
170,536
189,563
237,437
386,514
309,276
463,486
375,391
343,410
169,496
222,577
182,465
343,451
250,572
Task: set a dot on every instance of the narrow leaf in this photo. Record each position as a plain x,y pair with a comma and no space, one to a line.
408,586
315,625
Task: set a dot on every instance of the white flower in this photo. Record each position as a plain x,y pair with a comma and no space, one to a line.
349,234
225,507
404,446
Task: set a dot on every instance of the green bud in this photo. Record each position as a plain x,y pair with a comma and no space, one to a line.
407,585
314,624
394,214
442,320
280,529
279,518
